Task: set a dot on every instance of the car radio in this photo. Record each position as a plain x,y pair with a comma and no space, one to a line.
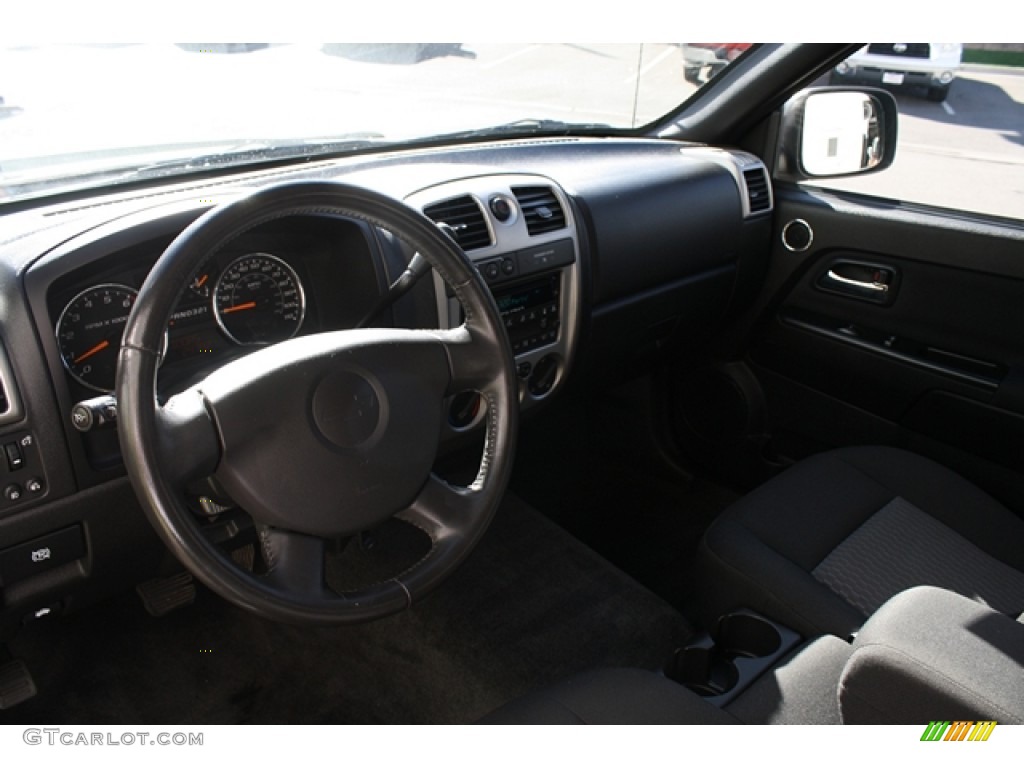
531,312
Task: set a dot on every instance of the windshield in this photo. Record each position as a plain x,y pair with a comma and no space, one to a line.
76,116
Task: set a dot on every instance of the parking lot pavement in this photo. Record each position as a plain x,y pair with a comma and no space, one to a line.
967,152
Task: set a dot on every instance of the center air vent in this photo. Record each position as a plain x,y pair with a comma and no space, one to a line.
541,209
757,190
467,221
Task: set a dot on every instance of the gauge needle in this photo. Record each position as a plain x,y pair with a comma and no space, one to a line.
200,281
98,348
239,307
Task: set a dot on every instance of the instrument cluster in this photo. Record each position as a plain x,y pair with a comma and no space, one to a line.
300,276
257,299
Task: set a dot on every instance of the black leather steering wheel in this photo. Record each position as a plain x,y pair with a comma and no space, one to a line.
322,436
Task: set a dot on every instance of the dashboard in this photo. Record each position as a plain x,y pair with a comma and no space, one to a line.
604,257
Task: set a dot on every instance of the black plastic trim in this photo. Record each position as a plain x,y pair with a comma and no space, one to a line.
849,335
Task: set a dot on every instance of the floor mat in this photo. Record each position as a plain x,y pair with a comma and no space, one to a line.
531,605
593,468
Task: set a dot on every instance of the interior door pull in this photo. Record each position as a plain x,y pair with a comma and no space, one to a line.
873,285
860,280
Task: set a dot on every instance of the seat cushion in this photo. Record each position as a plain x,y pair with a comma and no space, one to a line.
928,654
611,697
824,544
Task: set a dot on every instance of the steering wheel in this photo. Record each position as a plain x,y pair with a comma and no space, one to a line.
321,436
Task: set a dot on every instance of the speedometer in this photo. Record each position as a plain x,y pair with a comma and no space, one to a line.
259,300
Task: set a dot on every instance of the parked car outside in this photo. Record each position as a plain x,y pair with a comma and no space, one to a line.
702,61
932,66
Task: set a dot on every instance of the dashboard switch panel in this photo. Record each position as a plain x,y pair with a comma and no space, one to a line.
21,471
15,458
26,560
545,257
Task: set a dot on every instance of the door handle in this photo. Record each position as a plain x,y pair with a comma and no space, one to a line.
874,285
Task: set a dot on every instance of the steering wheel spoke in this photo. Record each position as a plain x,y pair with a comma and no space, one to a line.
450,515
295,562
471,358
442,511
189,445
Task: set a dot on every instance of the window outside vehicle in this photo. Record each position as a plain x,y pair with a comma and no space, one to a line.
197,105
961,144
153,110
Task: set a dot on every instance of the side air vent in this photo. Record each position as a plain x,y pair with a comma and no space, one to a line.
465,218
541,209
10,407
757,190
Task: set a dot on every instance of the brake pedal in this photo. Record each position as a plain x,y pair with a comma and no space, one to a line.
16,683
161,596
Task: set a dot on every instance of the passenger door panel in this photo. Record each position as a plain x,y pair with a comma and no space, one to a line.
933,360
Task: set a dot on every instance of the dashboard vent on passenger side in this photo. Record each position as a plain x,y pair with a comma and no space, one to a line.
541,209
757,190
465,218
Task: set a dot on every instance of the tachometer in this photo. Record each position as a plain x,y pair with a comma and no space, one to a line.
259,300
89,333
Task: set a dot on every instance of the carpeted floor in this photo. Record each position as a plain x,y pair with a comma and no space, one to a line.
531,605
593,466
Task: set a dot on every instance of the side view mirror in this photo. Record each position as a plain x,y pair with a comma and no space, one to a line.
829,132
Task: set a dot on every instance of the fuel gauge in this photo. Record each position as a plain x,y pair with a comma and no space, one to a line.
200,286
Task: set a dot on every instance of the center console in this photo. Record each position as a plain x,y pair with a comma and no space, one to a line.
720,665
520,233
926,653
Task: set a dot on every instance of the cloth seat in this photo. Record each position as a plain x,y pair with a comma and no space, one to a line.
822,546
928,650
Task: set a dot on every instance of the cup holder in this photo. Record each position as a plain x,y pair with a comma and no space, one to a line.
703,668
746,634
720,665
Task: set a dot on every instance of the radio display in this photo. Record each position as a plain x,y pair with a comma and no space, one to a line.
526,296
